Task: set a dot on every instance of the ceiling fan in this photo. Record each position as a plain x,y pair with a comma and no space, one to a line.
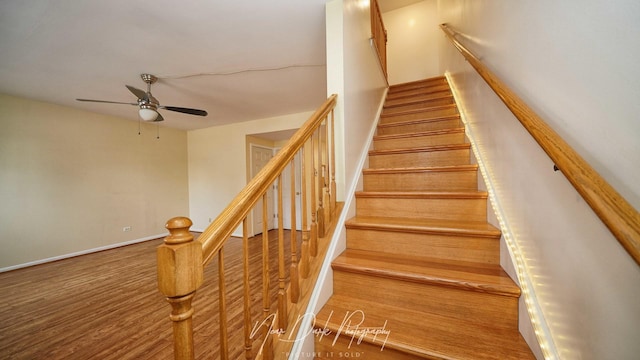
148,104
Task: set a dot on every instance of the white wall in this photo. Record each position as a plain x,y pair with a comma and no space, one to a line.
361,87
217,163
575,63
353,72
70,180
412,35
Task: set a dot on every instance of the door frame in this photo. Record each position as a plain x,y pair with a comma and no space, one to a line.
252,230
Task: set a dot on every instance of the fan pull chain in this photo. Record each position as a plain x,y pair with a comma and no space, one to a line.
157,132
139,132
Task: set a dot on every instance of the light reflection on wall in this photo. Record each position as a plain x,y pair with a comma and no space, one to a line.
529,284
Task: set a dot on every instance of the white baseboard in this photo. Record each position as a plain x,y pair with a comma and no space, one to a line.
83,252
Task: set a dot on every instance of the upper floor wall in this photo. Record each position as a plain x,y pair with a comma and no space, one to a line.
572,62
412,34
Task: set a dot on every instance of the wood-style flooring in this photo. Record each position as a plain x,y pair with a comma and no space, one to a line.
106,305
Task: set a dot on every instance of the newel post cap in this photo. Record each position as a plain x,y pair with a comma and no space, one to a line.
178,230
180,269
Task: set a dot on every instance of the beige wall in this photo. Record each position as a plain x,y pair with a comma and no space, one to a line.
575,63
217,163
70,180
412,34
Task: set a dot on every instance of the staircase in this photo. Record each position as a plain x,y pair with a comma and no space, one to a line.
421,276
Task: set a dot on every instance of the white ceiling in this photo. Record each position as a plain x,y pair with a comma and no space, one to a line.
60,50
389,5
239,60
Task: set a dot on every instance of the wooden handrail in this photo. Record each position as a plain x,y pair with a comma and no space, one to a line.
379,35
182,260
615,212
223,226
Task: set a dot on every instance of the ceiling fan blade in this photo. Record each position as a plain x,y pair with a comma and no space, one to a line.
185,110
137,92
107,102
159,118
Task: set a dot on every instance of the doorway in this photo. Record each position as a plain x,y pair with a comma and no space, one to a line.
286,195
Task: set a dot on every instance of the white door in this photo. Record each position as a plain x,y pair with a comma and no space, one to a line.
286,195
260,156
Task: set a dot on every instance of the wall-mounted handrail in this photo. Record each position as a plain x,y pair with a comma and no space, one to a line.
615,211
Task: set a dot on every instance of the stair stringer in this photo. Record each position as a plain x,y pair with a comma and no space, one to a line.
532,323
323,289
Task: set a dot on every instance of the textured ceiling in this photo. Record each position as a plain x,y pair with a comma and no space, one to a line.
239,60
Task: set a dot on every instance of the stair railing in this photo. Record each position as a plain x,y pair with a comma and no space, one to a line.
615,212
379,35
181,259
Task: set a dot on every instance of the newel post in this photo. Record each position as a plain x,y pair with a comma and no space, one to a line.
180,274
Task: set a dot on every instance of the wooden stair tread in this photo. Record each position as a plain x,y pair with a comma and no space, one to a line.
423,194
432,337
478,277
395,94
432,148
434,81
418,99
415,95
419,134
426,226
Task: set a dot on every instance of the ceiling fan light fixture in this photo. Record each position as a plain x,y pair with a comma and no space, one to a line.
148,114
148,105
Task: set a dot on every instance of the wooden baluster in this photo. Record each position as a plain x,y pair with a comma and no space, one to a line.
282,285
180,274
326,196
267,350
294,290
320,186
332,152
247,295
222,307
304,250
313,238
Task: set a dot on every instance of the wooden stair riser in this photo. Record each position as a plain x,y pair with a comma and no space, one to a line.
459,303
403,142
427,113
456,156
472,209
419,126
409,105
484,250
420,84
421,181
408,93
419,96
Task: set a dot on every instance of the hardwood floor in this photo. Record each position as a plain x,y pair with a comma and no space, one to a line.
106,305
